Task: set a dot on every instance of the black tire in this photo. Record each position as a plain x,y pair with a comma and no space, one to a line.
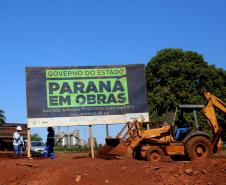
198,147
136,153
155,154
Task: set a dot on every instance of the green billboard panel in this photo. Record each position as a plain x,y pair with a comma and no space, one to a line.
85,95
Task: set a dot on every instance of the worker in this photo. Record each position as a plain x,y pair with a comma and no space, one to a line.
18,142
182,127
50,142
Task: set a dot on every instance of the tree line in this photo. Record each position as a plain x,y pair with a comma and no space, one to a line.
175,76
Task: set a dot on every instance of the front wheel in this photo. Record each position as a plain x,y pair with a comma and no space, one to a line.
198,147
155,153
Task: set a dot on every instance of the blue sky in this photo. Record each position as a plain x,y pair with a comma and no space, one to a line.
82,32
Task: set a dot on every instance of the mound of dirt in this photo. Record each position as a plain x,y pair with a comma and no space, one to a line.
66,169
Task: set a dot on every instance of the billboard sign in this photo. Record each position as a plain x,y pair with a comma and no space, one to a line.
65,96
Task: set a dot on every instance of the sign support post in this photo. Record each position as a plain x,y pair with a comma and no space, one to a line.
28,142
107,131
91,140
148,126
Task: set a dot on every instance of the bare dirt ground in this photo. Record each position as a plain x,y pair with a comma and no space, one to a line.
72,168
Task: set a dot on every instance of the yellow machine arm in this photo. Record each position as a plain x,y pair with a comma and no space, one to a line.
210,114
209,111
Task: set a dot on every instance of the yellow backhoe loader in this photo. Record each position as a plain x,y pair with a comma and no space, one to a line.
153,144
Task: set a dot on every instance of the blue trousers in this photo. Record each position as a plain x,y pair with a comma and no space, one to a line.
179,131
18,149
49,149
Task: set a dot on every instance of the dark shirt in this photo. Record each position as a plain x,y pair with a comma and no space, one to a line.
50,139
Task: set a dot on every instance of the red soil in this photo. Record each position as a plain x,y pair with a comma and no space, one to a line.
73,168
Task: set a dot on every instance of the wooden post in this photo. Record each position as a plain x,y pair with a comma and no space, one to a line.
107,131
28,142
91,140
148,126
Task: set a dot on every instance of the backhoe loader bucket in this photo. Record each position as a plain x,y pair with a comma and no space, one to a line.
112,141
120,145
113,148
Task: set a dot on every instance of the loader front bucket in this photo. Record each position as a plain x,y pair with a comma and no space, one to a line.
112,141
113,147
121,144
120,149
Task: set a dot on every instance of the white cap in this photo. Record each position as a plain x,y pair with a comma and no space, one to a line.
19,128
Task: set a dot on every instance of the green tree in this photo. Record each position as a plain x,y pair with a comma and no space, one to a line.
2,116
35,137
175,76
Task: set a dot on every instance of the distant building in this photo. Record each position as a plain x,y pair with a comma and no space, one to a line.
83,142
69,138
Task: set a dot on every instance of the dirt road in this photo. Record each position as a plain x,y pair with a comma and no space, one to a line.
69,169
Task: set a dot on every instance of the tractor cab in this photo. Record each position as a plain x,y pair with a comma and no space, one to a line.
185,120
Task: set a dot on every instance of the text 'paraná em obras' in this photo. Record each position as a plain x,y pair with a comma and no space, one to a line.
86,92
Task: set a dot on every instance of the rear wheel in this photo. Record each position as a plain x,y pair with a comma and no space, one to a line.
198,147
155,153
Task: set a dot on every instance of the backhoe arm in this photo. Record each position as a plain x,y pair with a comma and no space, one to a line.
210,114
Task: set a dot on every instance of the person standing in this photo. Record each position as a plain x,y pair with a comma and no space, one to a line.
18,142
50,142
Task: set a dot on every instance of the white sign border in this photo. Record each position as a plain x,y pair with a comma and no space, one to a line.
86,120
